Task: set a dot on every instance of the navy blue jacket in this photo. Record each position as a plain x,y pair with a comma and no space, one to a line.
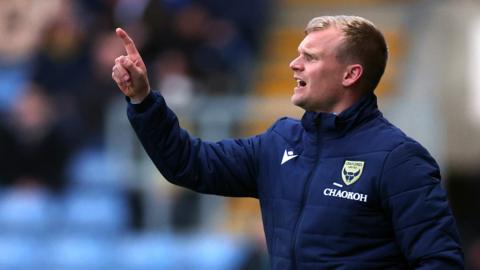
336,192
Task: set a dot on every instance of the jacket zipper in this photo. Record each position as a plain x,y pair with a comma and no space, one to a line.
306,192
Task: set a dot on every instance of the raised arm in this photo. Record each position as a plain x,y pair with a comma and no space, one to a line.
228,167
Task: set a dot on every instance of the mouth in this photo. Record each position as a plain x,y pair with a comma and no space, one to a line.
300,82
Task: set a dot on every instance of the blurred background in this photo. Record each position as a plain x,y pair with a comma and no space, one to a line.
77,190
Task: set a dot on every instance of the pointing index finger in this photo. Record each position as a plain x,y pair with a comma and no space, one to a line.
127,43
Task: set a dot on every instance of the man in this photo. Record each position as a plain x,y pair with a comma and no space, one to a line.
340,189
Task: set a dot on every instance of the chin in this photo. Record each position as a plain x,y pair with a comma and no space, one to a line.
297,101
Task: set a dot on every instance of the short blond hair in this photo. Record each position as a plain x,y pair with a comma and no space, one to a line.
364,43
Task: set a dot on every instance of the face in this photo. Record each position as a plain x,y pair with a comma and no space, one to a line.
318,73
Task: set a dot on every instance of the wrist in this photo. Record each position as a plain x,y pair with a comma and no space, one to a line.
137,99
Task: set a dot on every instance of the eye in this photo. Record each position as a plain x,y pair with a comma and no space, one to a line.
308,57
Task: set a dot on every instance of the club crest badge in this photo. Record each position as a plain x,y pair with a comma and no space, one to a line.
351,171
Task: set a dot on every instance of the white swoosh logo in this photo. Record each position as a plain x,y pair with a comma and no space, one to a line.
287,156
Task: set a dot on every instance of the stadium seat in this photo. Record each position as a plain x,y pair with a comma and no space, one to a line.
92,168
29,211
150,251
78,252
95,212
19,252
214,252
197,251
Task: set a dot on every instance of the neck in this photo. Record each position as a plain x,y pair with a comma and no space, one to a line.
345,101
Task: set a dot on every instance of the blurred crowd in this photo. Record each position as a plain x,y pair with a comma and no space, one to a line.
56,60
65,203
56,88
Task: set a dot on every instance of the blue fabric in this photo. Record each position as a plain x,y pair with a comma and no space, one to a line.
353,192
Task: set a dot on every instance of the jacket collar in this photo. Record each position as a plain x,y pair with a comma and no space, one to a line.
363,109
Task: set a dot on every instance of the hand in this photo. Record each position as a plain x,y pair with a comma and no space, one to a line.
130,72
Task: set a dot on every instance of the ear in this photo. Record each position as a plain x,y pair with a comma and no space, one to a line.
352,74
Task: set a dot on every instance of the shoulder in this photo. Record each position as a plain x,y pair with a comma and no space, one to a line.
408,164
401,145
285,123
377,135
284,130
408,170
390,137
410,153
286,127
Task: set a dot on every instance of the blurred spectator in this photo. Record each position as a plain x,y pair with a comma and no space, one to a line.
37,150
224,58
62,65
98,91
190,28
172,79
22,24
248,16
158,26
55,88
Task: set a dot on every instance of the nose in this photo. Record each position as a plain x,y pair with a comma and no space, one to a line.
296,64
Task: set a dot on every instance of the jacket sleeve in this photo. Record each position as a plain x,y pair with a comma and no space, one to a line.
414,199
226,167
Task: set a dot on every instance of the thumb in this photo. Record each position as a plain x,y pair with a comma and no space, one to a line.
139,86
131,67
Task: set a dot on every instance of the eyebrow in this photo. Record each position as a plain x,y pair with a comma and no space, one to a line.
309,53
